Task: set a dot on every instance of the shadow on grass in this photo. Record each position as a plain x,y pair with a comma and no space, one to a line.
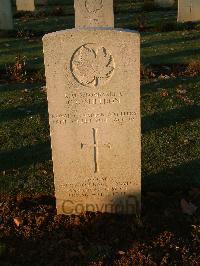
170,118
181,177
165,42
44,26
25,156
27,51
170,83
23,111
19,86
171,57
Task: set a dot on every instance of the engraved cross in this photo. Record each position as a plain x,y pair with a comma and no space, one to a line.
96,146
191,6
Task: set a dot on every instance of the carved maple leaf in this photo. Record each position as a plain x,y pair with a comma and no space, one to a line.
92,66
93,5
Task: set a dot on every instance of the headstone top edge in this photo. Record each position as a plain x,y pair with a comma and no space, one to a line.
57,33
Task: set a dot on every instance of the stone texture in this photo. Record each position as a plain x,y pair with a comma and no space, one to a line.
25,5
29,5
188,10
6,21
94,13
164,3
93,87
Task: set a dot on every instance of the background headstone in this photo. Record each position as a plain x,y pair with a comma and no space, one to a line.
6,20
29,5
164,3
188,10
94,13
93,85
25,5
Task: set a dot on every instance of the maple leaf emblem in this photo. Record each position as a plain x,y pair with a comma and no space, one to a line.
93,6
92,66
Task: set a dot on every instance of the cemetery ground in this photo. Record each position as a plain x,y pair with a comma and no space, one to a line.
168,231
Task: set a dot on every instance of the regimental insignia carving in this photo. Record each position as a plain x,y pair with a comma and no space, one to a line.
92,66
93,6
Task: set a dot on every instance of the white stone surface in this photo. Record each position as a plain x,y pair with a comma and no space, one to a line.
188,10
93,87
25,5
94,13
6,20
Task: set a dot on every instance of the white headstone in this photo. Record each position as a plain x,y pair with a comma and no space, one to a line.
6,21
94,13
93,87
25,5
29,5
164,3
188,10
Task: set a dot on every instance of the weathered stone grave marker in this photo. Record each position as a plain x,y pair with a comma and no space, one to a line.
29,5
25,5
93,87
188,10
6,21
94,13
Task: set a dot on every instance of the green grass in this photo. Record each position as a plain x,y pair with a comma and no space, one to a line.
171,140
170,123
25,145
12,47
180,47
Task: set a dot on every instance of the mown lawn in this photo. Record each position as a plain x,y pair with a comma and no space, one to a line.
170,107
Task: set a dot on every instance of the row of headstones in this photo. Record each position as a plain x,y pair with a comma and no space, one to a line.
188,10
29,5
6,19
